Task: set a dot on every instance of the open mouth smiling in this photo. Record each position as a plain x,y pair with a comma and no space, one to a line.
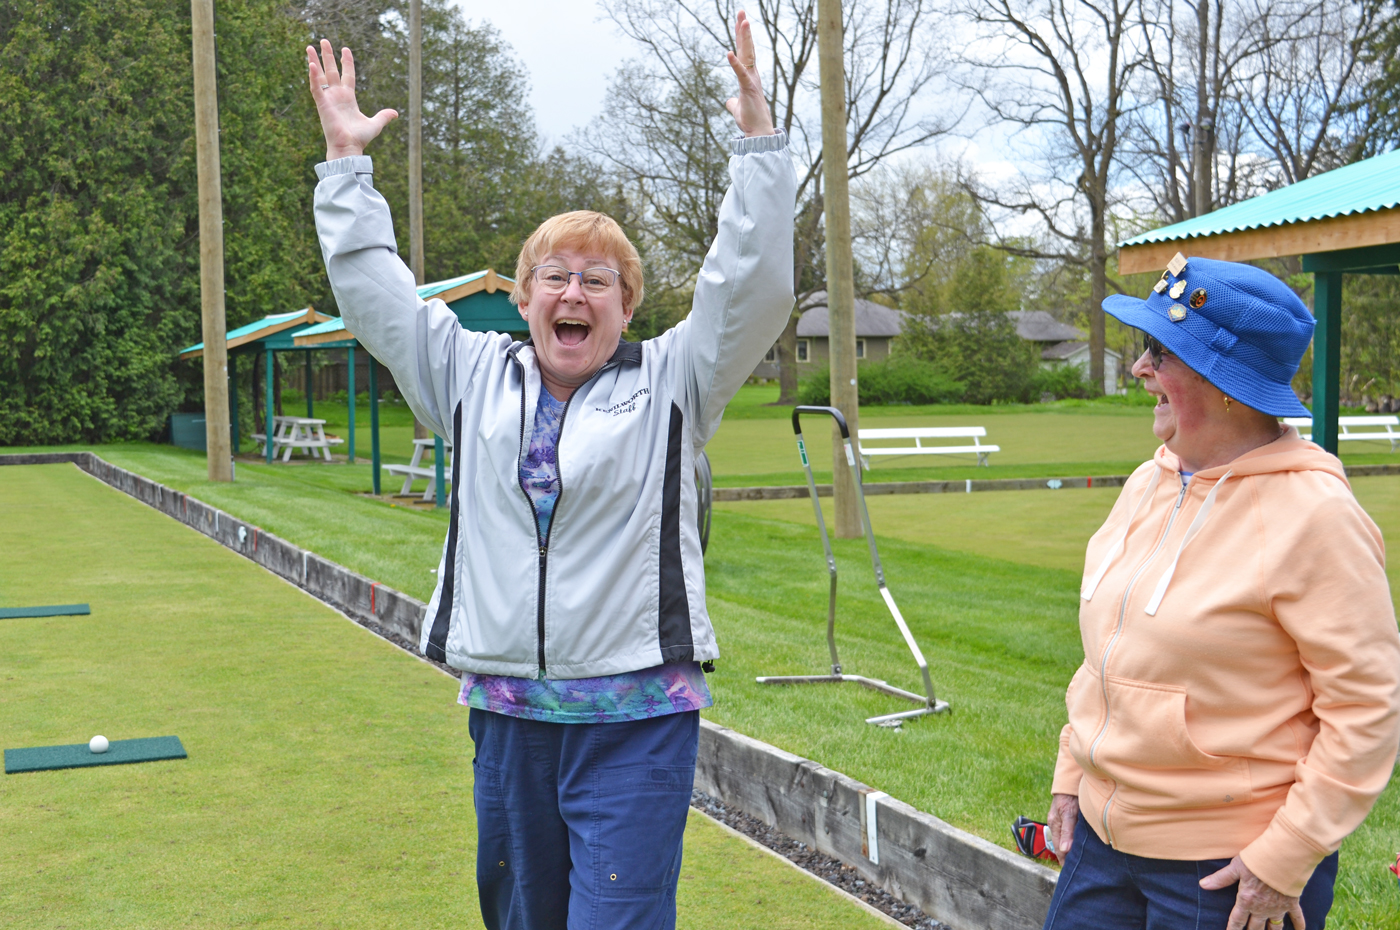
571,332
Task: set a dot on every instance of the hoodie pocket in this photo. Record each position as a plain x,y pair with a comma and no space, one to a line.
1148,750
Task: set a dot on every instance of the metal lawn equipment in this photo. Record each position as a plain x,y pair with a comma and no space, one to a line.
929,703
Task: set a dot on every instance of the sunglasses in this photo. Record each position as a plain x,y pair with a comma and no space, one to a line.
1156,350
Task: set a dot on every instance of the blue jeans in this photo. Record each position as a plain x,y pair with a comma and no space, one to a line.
1103,889
579,826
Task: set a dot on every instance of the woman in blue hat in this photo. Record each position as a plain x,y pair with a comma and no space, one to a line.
1236,714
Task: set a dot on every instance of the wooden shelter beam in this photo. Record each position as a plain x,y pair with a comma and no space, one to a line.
1354,231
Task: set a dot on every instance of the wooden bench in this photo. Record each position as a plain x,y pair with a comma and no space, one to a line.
1384,428
919,434
415,469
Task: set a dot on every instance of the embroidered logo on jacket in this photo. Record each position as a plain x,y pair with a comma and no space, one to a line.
627,406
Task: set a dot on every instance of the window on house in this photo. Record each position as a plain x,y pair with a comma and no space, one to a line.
860,348
802,353
772,355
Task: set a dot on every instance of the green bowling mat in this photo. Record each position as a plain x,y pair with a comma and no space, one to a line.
55,610
119,752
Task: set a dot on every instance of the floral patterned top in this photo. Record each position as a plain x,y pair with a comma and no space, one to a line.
650,692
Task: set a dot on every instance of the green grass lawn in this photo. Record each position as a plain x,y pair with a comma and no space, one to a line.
988,582
328,782
755,444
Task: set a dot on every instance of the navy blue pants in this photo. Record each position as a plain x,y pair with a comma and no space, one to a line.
1103,889
579,826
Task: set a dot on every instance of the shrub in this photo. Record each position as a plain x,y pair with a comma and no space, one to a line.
1064,381
896,380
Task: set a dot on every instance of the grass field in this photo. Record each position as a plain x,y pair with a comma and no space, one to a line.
755,447
988,582
328,782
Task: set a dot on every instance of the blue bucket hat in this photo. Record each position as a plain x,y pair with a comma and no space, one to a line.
1237,326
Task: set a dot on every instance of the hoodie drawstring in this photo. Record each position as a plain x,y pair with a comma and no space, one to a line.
1092,584
1191,532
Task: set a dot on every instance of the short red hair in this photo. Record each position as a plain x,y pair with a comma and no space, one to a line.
585,231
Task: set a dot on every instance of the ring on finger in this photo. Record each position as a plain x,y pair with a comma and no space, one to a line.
1273,922
325,87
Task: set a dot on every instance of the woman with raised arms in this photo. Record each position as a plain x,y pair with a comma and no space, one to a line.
571,591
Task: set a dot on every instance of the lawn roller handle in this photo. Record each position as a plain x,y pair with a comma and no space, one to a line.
918,654
821,520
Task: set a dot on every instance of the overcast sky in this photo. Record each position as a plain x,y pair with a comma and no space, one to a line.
569,51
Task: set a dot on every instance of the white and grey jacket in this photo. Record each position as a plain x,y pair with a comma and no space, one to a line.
619,584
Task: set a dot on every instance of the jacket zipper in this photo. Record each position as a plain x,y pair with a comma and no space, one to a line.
1103,663
544,545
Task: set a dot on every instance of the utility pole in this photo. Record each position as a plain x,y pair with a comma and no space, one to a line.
840,275
415,139
211,244
1203,132
415,156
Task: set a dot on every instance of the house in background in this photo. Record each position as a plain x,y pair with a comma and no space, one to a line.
1076,352
876,325
1062,344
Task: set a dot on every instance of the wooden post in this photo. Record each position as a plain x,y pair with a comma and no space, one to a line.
310,410
1327,357
351,354
840,277
211,244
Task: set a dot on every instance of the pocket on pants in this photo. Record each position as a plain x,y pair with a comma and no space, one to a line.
639,822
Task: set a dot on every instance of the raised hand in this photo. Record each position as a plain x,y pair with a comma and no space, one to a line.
750,108
347,130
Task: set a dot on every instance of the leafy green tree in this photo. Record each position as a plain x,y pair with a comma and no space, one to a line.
976,343
98,210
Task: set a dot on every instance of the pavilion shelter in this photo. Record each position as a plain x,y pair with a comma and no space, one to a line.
270,335
1345,221
481,301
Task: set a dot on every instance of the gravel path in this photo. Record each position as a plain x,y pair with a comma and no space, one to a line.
823,866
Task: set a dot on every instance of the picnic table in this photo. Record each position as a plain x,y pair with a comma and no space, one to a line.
415,468
303,434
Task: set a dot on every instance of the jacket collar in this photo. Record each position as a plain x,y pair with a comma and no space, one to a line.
626,353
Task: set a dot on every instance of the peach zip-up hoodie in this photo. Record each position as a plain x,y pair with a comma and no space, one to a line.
1241,681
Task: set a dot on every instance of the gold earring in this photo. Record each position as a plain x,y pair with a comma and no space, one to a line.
1227,403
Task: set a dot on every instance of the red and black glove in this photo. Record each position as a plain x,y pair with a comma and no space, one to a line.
1032,839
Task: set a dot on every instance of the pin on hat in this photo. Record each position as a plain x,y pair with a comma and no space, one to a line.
1177,290
1198,298
1177,313
1161,284
1176,265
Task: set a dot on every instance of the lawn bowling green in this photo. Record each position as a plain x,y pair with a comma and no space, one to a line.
328,782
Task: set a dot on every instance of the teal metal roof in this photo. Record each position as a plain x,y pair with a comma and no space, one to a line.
437,287
334,325
266,322
1373,184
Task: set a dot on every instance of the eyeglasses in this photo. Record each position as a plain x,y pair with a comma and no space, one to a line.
554,279
1155,349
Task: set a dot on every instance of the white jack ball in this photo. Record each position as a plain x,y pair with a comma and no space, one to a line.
98,744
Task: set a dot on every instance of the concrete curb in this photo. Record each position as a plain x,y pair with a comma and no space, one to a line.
954,877
970,485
